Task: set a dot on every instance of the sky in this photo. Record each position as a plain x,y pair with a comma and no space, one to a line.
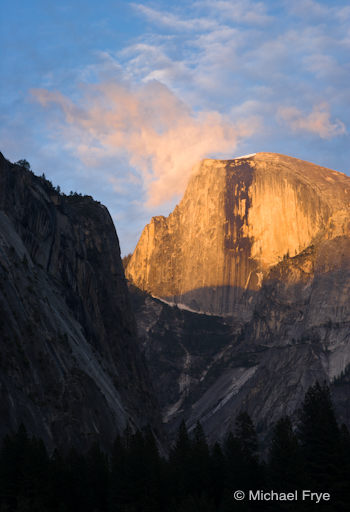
120,100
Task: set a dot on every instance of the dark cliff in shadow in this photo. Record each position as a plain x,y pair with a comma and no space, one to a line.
208,368
70,365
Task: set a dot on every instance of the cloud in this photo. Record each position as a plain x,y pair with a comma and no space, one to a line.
308,8
240,11
147,61
317,122
343,14
325,67
160,135
170,20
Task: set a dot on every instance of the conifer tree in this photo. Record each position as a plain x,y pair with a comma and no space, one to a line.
134,477
58,482
250,470
217,474
155,479
343,487
284,465
117,472
233,456
246,435
322,448
76,495
179,464
11,467
319,436
97,478
199,462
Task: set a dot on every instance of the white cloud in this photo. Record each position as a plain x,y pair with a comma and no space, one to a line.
317,122
308,8
343,14
325,67
239,11
150,62
174,22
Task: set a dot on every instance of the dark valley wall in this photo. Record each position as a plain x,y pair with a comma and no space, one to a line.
70,364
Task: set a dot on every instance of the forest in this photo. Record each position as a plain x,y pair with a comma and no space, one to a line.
312,452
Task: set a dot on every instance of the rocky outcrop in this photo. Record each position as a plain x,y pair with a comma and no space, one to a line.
237,219
180,348
207,368
276,232
70,365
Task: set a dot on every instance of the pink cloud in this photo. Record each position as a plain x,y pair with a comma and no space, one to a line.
318,121
162,138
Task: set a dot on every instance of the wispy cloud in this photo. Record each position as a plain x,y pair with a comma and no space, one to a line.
343,14
174,22
148,61
308,8
161,136
325,67
239,11
318,121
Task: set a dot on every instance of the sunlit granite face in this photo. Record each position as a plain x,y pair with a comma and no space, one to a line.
236,220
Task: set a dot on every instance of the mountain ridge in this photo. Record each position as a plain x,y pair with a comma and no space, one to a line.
224,233
71,369
288,330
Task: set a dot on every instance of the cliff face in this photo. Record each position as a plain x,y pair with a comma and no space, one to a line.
207,368
266,240
70,365
236,220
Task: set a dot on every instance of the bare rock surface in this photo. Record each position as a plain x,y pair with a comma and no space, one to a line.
237,219
262,243
70,365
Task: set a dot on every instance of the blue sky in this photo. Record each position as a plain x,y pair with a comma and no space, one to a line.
120,99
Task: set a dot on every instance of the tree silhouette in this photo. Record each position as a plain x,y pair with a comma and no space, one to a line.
23,163
319,435
250,471
285,463
135,478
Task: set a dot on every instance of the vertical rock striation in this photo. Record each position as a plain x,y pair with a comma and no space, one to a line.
237,219
266,240
70,365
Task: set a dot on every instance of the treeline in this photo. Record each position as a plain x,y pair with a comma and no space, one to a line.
134,477
52,189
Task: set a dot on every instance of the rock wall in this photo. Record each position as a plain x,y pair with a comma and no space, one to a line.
266,241
206,368
70,366
236,220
